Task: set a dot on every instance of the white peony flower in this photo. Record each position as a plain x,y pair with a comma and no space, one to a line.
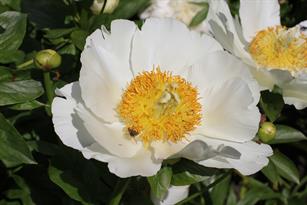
182,10
276,55
156,93
174,195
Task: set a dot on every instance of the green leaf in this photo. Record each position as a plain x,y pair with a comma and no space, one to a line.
9,74
125,10
285,167
11,56
57,33
19,91
22,193
4,202
220,191
270,172
200,16
14,24
13,149
286,134
118,193
14,4
29,105
46,13
160,183
186,178
44,147
69,49
5,74
272,104
258,192
231,199
186,172
254,195
78,38
71,190
77,177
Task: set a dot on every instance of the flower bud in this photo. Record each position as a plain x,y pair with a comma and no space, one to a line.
47,59
109,7
267,132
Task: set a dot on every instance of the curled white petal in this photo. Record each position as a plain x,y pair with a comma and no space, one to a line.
141,164
65,125
253,156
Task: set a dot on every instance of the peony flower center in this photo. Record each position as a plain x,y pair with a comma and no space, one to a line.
159,106
280,48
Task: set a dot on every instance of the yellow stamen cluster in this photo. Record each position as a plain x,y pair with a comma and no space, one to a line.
280,48
159,106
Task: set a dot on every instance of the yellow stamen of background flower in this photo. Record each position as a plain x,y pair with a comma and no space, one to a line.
280,48
159,106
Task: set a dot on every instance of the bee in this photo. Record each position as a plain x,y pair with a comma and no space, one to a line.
133,133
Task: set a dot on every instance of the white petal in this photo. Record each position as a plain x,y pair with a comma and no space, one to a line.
78,128
226,29
218,67
163,150
141,164
220,6
106,68
257,15
109,135
174,195
169,44
253,156
66,123
227,113
95,151
298,103
203,45
264,77
294,92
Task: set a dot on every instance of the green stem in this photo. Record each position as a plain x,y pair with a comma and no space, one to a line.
119,191
49,91
25,64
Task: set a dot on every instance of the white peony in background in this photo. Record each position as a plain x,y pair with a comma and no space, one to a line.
276,55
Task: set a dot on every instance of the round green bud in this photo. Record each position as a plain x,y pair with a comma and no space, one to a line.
267,132
47,59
